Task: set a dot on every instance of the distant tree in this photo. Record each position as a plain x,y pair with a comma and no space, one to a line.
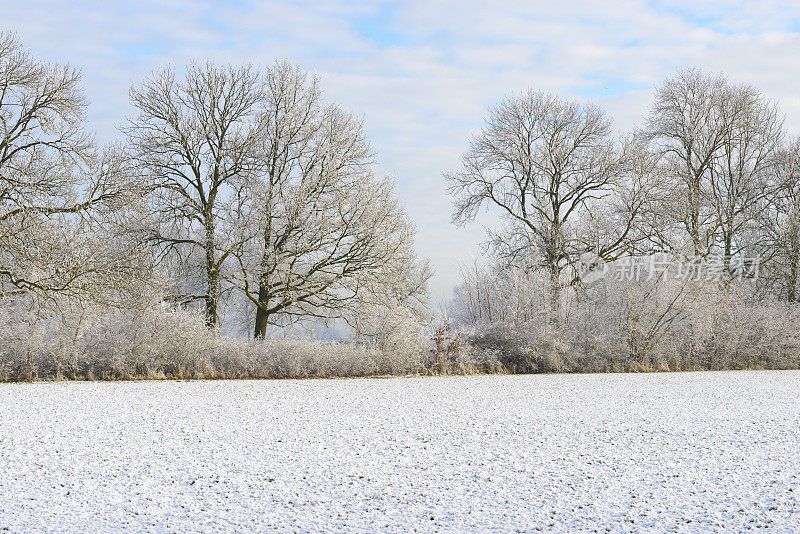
717,142
740,175
498,294
688,125
543,163
779,228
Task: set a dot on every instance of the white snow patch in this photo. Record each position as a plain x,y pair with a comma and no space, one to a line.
625,452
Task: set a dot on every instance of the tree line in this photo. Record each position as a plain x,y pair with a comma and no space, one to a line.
241,196
710,171
231,182
709,178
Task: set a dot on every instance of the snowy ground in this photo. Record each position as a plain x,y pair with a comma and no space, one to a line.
664,452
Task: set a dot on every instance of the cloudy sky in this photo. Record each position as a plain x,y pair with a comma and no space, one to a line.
422,73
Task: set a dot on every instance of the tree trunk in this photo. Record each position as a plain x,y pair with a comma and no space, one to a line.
554,282
212,275
694,215
212,318
727,254
794,273
555,297
262,315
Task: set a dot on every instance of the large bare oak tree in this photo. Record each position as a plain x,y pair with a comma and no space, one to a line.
200,139
326,234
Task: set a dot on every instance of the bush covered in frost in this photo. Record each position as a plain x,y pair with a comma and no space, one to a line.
161,341
645,325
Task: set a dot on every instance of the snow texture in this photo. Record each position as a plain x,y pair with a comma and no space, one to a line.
679,452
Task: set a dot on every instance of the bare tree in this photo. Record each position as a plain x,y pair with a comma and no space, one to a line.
779,227
739,178
499,294
716,142
688,126
201,139
540,161
325,232
55,185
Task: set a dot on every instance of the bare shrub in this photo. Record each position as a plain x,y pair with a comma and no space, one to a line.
167,342
651,324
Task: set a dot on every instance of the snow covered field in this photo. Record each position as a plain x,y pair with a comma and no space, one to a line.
665,452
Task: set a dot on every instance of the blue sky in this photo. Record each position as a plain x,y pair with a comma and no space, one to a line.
422,73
